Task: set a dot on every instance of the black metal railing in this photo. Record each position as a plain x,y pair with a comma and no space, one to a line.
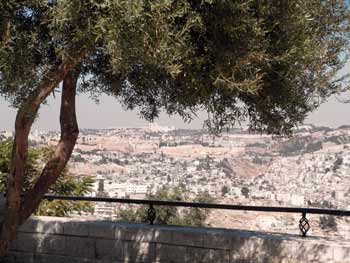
304,224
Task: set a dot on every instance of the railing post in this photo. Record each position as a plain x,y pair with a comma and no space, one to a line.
304,225
151,214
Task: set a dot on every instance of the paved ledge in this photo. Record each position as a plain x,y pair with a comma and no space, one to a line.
56,240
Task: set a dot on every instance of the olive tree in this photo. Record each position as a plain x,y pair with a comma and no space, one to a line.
67,183
267,62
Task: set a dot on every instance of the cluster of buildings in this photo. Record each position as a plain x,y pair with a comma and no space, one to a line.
319,179
237,166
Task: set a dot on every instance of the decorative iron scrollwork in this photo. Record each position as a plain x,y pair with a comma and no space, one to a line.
151,214
304,225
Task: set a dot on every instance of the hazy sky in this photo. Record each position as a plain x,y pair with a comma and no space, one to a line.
110,114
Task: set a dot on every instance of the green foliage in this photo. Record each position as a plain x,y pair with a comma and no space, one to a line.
170,215
338,139
257,145
31,170
268,62
224,190
68,185
65,185
257,160
338,162
322,129
245,191
321,204
328,222
78,158
313,147
294,146
197,216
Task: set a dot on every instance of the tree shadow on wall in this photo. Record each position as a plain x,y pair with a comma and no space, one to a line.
94,241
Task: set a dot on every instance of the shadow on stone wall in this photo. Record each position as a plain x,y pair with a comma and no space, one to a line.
55,240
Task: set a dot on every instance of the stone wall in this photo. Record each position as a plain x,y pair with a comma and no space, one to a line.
58,240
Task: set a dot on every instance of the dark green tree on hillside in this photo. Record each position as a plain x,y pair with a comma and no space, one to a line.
262,61
170,215
66,184
224,190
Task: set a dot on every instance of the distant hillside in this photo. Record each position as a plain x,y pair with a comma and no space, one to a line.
240,168
311,139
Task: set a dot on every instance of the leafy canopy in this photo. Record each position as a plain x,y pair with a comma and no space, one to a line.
268,62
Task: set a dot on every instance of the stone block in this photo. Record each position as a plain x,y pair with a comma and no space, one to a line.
245,248
18,257
27,242
217,240
163,235
204,255
169,253
138,234
277,251
107,249
187,238
52,244
29,226
83,247
102,230
76,228
315,252
45,258
341,254
39,243
138,252
44,225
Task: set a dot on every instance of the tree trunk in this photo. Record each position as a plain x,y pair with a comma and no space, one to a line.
24,120
55,166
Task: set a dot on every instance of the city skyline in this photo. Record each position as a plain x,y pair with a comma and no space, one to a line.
109,113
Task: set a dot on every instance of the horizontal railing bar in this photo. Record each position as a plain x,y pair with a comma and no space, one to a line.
203,205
